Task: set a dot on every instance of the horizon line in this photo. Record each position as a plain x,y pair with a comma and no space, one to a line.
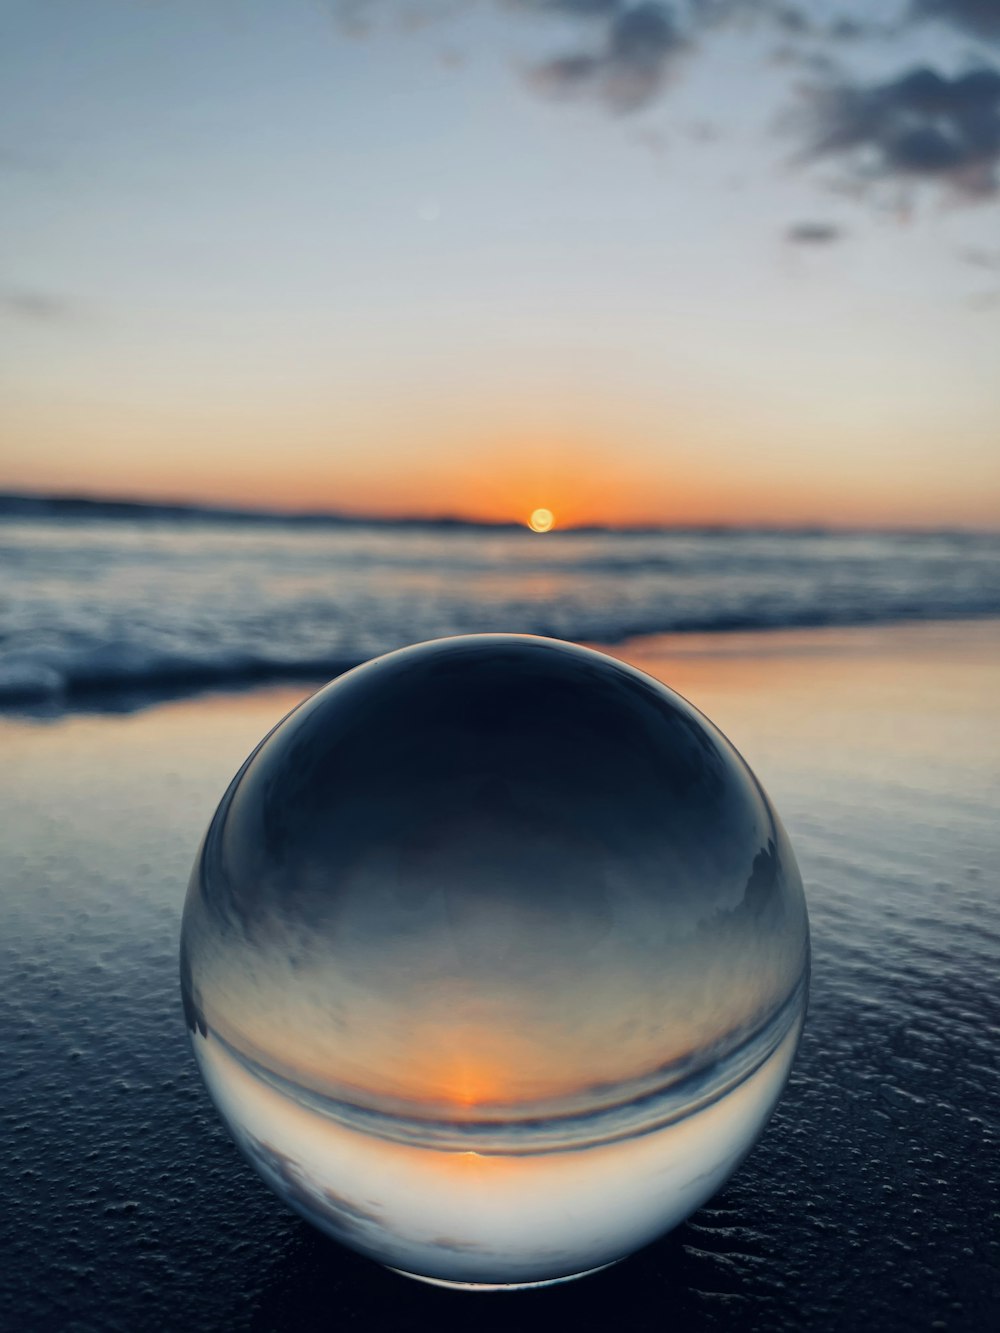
81,504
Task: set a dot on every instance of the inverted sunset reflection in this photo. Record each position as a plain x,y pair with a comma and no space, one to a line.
490,1219
513,926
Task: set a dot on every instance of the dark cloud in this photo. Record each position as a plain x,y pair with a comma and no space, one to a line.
804,24
813,233
919,126
625,46
979,17
574,8
923,125
42,307
629,67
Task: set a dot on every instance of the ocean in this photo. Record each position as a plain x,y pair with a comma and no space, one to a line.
147,601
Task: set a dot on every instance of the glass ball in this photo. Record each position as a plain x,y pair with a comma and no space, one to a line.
495,959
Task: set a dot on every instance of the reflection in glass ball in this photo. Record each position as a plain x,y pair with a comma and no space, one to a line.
495,959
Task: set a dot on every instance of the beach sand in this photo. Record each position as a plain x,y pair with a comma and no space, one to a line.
869,1202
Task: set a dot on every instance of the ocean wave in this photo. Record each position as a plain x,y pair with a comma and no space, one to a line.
42,680
109,609
72,676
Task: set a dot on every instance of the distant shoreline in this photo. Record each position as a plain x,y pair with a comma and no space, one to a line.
42,506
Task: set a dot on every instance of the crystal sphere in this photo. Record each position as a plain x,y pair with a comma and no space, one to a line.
495,959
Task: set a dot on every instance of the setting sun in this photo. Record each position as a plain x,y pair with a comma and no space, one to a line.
541,520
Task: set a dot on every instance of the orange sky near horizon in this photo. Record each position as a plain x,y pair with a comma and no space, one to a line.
589,454
581,486
288,268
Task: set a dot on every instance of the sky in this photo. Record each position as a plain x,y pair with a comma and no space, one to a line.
632,262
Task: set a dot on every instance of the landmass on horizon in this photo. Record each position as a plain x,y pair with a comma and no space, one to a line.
73,505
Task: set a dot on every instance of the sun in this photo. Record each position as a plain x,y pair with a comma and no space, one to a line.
541,520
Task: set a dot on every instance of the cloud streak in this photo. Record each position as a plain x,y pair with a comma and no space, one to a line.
813,233
36,306
630,65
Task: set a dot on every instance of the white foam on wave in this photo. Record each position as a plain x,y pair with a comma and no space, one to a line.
104,606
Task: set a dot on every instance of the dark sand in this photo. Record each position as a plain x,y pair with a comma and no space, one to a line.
871,1202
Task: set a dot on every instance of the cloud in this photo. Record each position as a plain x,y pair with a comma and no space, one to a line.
629,67
978,18
40,307
922,126
574,8
625,46
813,233
981,18
805,24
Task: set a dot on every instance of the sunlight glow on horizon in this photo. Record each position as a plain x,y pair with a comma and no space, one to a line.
387,307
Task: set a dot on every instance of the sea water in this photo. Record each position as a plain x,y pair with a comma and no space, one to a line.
101,606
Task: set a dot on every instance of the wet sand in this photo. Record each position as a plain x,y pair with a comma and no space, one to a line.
869,1198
